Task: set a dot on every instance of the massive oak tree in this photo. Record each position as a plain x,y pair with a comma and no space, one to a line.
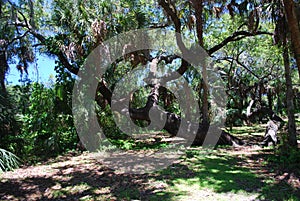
75,29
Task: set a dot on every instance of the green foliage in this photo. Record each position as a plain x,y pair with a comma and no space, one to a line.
245,64
131,144
231,117
107,123
7,113
8,161
285,156
45,130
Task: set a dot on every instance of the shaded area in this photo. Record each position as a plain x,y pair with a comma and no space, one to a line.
77,178
214,171
238,174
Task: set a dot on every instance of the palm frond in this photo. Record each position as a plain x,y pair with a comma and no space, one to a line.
8,161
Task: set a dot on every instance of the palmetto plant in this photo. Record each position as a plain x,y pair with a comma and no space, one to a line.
8,161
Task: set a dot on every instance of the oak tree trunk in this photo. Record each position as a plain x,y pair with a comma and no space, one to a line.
292,138
198,6
291,17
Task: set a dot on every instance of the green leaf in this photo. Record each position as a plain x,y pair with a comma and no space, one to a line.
60,92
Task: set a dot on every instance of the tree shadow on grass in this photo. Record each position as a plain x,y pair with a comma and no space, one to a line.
89,181
224,174
221,174
283,183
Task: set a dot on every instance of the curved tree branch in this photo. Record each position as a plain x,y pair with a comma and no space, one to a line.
238,35
172,12
62,58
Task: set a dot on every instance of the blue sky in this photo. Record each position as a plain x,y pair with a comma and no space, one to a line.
39,71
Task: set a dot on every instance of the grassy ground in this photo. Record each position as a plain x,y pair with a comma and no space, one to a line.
226,173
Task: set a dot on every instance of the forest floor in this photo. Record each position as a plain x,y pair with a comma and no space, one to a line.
227,173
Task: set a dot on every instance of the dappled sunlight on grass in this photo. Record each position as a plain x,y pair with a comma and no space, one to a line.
221,174
249,134
213,172
248,130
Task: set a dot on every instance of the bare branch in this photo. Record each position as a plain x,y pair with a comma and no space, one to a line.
62,58
231,59
25,20
234,37
171,11
198,6
25,24
17,38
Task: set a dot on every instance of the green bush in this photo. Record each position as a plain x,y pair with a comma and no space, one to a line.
285,156
7,112
46,125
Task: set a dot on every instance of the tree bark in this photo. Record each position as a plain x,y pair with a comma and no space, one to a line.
292,136
291,17
3,70
198,6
